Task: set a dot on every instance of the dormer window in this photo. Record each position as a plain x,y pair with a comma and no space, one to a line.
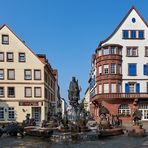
133,34
125,34
5,39
106,51
141,34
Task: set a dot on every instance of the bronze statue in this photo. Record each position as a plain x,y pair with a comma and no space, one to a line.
137,116
103,110
74,92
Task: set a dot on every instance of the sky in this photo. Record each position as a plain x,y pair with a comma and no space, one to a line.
67,31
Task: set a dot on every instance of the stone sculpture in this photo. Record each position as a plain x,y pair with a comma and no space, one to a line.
136,129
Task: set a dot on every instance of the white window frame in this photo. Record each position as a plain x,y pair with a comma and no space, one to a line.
11,113
2,113
37,92
124,110
113,68
1,91
27,74
28,92
106,69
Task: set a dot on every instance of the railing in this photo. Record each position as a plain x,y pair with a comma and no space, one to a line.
109,76
120,96
109,57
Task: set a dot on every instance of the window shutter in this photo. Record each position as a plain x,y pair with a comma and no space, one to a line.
145,69
126,88
137,88
132,69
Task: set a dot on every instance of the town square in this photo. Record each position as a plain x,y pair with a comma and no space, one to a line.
74,74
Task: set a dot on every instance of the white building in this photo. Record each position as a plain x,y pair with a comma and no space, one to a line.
87,100
122,68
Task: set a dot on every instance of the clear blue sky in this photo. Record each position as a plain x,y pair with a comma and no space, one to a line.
67,31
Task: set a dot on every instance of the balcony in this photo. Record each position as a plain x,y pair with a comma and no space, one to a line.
109,77
112,96
109,57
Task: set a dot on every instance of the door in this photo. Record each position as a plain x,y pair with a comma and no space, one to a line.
36,113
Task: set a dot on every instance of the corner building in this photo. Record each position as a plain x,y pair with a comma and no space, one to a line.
119,75
27,81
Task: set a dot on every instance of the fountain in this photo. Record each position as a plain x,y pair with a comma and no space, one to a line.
136,129
105,127
73,127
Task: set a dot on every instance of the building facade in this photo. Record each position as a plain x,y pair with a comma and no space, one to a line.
87,100
63,106
27,81
119,75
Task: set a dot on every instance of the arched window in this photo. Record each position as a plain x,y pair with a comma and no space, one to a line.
124,110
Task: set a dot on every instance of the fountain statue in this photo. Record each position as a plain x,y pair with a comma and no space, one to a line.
137,129
74,96
105,127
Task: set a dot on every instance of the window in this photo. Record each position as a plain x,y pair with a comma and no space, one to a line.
99,52
106,51
1,113
37,74
21,57
112,50
5,39
28,92
11,114
125,34
27,74
131,88
106,88
119,51
132,51
146,51
9,56
132,70
145,69
119,88
37,92
11,92
1,74
1,91
106,69
119,69
124,110
141,34
113,88
100,89
11,74
133,20
133,34
113,68
100,70
1,57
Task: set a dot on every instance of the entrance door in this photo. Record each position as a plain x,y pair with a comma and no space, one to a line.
36,114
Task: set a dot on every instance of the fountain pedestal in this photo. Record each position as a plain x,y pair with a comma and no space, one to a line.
137,130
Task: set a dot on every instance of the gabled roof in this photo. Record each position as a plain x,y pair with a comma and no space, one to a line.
21,41
133,8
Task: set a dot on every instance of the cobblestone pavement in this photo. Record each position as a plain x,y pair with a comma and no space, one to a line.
122,141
